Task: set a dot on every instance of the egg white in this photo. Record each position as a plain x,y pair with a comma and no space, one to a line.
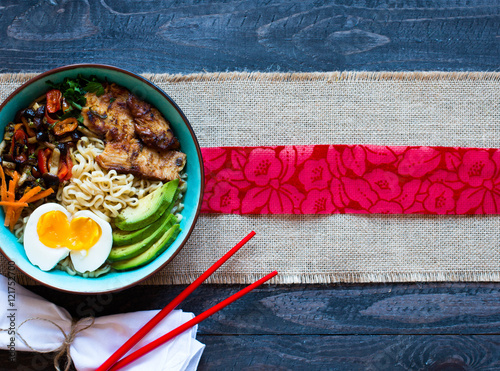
38,253
92,259
46,258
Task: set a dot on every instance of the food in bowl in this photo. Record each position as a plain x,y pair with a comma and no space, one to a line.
92,179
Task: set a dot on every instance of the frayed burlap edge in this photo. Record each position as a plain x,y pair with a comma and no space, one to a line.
326,76
339,278
297,76
334,278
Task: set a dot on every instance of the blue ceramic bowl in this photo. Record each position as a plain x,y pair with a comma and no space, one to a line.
147,91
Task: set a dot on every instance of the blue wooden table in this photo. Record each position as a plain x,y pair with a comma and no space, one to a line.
444,326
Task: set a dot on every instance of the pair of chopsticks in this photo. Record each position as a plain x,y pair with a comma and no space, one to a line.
116,362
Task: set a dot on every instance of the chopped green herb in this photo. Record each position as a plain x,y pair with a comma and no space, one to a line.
95,87
76,105
32,156
72,113
73,90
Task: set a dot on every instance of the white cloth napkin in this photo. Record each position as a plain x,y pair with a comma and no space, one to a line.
92,346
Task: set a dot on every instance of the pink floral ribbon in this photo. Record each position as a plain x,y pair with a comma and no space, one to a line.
368,179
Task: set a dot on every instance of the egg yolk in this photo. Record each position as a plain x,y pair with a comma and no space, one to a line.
55,230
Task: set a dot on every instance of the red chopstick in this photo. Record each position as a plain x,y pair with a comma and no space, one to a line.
179,330
129,344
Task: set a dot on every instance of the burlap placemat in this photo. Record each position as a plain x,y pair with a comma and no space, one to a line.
424,108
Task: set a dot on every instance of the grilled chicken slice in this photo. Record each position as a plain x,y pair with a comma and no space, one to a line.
108,114
132,157
138,139
150,125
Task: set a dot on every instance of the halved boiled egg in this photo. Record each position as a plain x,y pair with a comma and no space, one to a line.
52,233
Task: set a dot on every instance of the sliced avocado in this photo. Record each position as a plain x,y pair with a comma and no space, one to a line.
121,238
129,251
150,254
149,208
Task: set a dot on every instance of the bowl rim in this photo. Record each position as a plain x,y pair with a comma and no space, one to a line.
193,136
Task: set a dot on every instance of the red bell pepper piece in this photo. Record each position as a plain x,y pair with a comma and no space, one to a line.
54,97
20,135
19,147
63,170
65,166
69,162
43,158
65,126
50,120
65,105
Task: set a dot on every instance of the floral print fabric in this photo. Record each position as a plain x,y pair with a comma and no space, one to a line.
368,179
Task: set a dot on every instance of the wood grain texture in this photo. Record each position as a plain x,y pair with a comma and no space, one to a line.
314,327
317,327
356,352
315,309
263,35
383,352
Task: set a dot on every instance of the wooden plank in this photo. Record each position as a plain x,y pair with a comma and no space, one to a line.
192,36
350,352
339,352
316,309
344,327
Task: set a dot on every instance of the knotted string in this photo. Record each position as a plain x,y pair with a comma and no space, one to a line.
64,348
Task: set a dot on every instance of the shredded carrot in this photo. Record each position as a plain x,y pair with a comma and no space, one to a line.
14,204
13,208
8,217
10,191
4,186
11,195
30,194
17,127
41,195
15,179
3,189
16,216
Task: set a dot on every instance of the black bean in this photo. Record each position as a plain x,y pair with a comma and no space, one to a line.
50,179
42,136
40,112
38,122
75,135
29,113
63,148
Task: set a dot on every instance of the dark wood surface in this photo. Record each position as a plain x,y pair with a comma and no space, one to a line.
445,326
